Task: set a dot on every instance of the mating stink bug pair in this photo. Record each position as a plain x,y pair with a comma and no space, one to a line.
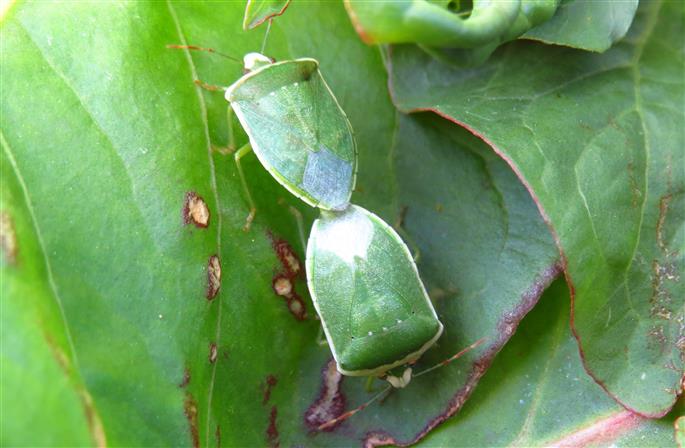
363,281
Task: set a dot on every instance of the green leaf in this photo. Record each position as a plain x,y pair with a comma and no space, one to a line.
116,146
593,25
41,388
598,140
538,389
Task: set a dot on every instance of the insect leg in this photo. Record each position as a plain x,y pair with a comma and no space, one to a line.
231,135
452,358
230,146
320,338
253,209
300,225
368,386
196,48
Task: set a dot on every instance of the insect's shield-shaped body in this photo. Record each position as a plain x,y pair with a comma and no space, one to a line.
363,281
297,129
366,288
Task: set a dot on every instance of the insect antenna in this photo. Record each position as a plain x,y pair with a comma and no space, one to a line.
266,34
207,49
451,358
350,413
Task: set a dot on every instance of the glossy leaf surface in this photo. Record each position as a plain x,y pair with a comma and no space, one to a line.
606,168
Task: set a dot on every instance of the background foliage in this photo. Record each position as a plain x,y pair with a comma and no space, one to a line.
108,334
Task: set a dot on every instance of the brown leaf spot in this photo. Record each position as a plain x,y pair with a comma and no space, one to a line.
213,277
213,353
217,436
663,211
282,286
283,282
186,378
330,403
296,306
272,429
379,439
8,238
190,410
195,210
271,382
288,257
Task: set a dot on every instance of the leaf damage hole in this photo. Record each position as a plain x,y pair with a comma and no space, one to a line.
283,282
213,353
8,238
195,210
330,404
213,277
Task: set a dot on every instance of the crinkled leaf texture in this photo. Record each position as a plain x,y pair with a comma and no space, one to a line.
598,140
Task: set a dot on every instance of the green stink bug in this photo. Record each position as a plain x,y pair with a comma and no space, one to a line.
297,129
365,286
366,289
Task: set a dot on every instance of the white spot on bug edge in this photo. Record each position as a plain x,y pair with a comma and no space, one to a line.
643,376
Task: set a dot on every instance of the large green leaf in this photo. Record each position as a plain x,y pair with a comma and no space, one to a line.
117,148
539,375
598,139
40,387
